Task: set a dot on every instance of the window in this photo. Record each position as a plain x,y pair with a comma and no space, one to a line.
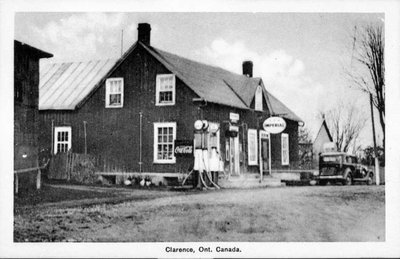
259,99
114,92
252,146
164,136
62,139
285,148
165,90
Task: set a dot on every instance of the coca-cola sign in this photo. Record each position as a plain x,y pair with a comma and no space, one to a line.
183,148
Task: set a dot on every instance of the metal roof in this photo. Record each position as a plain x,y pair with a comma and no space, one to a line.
63,85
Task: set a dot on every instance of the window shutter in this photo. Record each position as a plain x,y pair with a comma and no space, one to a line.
252,146
285,148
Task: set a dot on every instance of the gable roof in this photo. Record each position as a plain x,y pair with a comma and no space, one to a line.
34,51
211,83
324,126
208,82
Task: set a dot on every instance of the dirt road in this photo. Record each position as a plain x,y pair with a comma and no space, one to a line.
329,213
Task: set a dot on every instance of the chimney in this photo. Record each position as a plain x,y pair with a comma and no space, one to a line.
144,33
247,68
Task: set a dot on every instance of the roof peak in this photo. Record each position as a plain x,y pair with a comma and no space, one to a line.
200,63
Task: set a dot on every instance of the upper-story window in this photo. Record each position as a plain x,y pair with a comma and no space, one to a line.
165,90
114,92
258,101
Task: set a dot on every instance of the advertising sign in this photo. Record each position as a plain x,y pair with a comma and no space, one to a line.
274,125
234,117
183,148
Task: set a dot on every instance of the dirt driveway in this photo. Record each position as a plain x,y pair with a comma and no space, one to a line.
329,213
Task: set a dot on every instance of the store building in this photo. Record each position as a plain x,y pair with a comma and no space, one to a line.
138,107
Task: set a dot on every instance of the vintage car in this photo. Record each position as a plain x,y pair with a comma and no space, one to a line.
341,167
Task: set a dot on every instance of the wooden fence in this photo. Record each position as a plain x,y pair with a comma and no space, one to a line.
80,167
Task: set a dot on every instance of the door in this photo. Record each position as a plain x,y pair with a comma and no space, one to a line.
265,156
265,153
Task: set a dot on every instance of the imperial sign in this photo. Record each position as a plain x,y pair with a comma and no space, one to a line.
274,125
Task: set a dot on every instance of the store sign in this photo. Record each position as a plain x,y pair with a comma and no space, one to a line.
234,128
274,125
183,148
234,117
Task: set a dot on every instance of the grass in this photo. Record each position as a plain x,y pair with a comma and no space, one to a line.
51,194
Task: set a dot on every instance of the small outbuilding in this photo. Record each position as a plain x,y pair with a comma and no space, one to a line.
26,117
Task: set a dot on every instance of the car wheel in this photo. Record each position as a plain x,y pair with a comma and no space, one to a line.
369,180
322,182
348,180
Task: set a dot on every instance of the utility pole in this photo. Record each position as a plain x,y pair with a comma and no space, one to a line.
374,137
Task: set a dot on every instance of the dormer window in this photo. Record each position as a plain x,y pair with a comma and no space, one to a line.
259,99
114,92
165,90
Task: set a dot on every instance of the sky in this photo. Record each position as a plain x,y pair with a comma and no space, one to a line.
301,57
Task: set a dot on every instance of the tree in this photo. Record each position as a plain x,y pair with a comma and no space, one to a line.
368,156
369,47
345,123
304,135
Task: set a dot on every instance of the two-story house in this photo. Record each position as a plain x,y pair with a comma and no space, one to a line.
134,108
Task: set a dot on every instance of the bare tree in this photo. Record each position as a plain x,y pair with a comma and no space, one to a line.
345,123
368,49
304,135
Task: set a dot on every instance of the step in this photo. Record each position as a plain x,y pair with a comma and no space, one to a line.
249,182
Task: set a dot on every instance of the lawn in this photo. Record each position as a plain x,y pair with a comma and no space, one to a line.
313,213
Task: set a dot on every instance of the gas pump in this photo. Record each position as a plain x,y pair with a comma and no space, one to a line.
214,156
203,164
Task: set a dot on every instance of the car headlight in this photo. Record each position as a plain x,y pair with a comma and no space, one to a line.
315,173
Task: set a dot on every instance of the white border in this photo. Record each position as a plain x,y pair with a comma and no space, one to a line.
389,248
